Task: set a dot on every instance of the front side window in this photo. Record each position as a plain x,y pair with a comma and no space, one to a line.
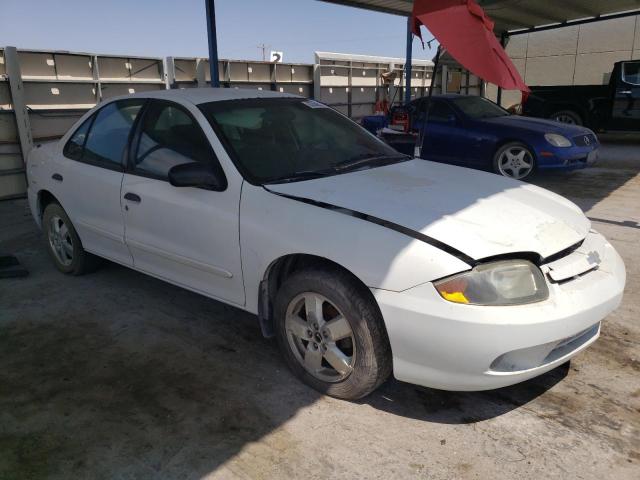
285,139
631,73
478,107
169,136
109,134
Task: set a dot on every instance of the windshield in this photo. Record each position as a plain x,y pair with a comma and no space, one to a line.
478,107
288,139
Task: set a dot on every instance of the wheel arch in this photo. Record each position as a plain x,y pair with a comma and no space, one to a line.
44,198
572,107
282,268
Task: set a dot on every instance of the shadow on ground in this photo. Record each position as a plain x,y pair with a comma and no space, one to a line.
118,375
441,406
618,163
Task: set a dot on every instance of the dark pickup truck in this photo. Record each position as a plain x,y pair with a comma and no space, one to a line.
615,106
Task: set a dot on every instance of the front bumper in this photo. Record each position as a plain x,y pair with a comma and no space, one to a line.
567,158
444,345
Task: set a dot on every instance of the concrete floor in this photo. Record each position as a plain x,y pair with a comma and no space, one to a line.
118,375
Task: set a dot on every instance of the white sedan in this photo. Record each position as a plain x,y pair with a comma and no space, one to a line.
361,261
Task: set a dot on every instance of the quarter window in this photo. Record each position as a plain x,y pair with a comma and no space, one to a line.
75,145
169,136
109,134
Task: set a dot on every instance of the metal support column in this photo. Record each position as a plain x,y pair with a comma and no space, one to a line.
213,42
407,63
503,39
20,109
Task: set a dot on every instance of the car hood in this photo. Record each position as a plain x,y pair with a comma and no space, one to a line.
477,213
538,125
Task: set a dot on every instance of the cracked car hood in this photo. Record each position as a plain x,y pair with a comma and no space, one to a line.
477,213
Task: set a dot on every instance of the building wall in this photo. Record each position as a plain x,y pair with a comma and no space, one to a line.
574,55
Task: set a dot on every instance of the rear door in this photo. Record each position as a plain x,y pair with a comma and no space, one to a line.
625,114
87,178
187,235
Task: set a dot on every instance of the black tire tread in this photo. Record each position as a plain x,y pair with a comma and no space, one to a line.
83,261
378,360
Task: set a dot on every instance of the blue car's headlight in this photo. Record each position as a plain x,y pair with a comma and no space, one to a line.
557,140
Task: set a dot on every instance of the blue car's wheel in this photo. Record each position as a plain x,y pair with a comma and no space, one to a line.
514,160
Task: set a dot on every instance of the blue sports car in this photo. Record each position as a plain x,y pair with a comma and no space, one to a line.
474,132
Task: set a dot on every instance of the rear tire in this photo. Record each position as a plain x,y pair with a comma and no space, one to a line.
64,245
566,116
325,318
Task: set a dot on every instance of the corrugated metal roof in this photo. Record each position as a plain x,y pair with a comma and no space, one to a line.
512,15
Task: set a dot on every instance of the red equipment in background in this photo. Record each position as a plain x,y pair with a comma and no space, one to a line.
465,31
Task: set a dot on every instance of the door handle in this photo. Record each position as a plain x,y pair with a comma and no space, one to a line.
132,197
57,177
625,92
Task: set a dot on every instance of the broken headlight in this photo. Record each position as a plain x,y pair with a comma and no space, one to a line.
506,282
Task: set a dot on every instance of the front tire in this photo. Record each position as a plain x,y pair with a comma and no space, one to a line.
514,160
332,334
63,243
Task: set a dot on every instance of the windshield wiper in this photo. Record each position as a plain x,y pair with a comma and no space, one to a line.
366,159
301,175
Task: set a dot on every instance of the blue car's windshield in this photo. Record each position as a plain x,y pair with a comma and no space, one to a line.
478,107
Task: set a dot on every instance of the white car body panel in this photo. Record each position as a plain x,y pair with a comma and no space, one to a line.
480,214
221,244
99,223
443,345
188,236
382,258
166,242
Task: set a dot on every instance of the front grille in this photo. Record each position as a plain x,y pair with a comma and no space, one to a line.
585,140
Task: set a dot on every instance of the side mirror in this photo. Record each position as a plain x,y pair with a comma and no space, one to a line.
195,174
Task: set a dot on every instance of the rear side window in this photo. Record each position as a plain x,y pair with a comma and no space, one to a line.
440,112
169,136
109,133
74,147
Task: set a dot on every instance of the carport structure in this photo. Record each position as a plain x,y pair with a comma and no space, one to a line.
511,17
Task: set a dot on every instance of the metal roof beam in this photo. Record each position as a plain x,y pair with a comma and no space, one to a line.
376,7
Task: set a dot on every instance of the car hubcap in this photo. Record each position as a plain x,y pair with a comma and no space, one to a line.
320,337
60,240
516,162
563,118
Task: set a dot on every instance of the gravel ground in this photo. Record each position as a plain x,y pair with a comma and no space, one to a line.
117,375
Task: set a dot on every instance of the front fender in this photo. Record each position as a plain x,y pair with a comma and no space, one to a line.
272,226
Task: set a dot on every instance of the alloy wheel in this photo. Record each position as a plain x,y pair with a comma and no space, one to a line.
320,337
564,118
515,162
60,240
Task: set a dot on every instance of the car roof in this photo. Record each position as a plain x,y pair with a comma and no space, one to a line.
444,96
208,94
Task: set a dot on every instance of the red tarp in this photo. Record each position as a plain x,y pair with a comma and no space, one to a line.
465,31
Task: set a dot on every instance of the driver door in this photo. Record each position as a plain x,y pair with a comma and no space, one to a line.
445,139
625,114
186,235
